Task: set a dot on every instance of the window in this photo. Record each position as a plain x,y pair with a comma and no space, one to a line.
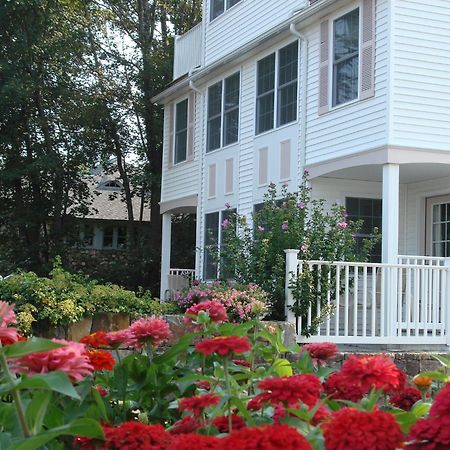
108,237
111,184
181,130
278,70
369,210
218,7
438,226
346,58
121,238
87,235
223,112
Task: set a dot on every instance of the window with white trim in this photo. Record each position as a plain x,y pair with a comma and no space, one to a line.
181,131
223,112
218,7
277,87
346,58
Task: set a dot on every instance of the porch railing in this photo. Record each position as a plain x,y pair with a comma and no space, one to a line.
350,302
188,51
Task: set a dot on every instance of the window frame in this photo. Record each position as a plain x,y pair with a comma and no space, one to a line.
276,90
175,162
222,83
331,71
226,7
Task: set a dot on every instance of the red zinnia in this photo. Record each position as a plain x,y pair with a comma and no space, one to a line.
101,359
270,437
119,338
95,340
136,436
221,423
198,403
187,424
152,330
195,441
321,351
339,388
215,310
430,434
224,345
405,399
373,372
290,390
441,404
351,428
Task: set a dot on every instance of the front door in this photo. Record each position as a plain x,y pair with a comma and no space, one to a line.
438,226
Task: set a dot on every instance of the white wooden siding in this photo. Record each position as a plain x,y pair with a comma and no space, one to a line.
421,74
355,127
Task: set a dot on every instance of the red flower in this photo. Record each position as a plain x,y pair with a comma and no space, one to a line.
371,372
351,428
101,390
241,362
136,436
152,330
195,441
405,399
198,403
321,416
11,340
321,351
203,384
188,424
119,338
8,335
95,340
84,443
221,423
101,359
270,437
224,345
254,404
441,404
290,390
430,434
338,388
215,310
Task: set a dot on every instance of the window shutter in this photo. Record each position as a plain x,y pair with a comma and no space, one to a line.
324,68
170,146
191,127
367,82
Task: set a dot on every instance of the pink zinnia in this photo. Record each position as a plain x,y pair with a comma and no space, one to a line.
70,359
321,351
215,310
119,338
152,330
342,225
7,316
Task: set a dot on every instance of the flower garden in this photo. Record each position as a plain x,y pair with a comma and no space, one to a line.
223,385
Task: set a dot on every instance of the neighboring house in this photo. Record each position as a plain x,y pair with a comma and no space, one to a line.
357,92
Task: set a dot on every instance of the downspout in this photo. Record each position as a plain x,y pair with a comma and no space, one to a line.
191,83
303,96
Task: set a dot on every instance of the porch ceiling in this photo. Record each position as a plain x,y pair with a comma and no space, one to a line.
409,173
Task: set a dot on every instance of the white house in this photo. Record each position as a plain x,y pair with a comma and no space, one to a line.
357,92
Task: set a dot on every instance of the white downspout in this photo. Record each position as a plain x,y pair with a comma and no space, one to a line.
303,96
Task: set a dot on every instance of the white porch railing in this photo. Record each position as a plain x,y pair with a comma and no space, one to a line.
368,303
188,51
179,279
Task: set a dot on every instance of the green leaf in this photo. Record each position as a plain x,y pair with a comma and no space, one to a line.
435,375
54,381
81,427
420,409
100,404
444,360
282,367
181,346
37,409
32,345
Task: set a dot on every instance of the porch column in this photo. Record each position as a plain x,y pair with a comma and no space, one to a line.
165,253
391,211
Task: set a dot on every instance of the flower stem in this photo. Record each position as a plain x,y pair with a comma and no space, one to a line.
228,388
15,395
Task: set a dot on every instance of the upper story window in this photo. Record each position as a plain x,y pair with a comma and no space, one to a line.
346,58
218,7
181,130
277,79
223,112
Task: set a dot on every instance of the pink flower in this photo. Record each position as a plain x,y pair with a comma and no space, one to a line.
304,248
301,204
118,338
284,226
342,225
260,229
152,330
215,310
321,351
7,316
225,223
70,359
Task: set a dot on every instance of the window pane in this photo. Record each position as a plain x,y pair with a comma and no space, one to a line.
214,99
108,237
231,3
266,74
346,35
231,127
181,131
88,235
180,147
288,64
231,108
214,134
122,237
214,116
287,101
229,215
232,92
346,81
265,113
211,242
217,8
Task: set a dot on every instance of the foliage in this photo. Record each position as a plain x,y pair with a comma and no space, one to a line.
289,220
242,302
64,298
269,385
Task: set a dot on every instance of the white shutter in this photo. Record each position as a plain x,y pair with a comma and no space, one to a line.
229,176
191,127
367,81
170,145
324,68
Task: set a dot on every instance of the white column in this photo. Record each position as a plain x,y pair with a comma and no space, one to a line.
165,253
291,273
446,299
198,245
391,211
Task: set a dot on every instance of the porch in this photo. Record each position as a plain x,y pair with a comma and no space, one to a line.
406,303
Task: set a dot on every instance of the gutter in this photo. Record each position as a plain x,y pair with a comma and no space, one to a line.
241,53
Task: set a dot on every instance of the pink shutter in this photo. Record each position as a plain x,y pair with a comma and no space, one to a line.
229,176
191,127
170,109
212,181
285,160
367,81
324,68
263,166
